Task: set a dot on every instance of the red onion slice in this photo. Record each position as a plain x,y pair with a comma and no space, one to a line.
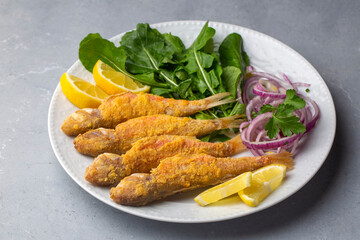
273,144
262,93
263,88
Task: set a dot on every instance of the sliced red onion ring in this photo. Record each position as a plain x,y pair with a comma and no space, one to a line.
288,81
257,123
301,84
243,125
311,124
273,144
263,93
250,69
256,101
263,88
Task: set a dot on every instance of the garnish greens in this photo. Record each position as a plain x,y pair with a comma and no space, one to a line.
162,62
282,116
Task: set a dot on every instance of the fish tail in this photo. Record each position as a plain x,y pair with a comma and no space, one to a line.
284,158
230,122
237,144
218,99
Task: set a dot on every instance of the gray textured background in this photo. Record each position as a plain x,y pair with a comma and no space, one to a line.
39,41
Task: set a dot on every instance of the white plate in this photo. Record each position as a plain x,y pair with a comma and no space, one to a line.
265,53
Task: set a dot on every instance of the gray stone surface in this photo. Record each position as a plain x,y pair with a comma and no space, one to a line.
39,41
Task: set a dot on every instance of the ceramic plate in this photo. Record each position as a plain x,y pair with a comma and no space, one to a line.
267,54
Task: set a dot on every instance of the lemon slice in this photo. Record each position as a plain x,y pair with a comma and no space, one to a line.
264,181
113,82
224,190
81,93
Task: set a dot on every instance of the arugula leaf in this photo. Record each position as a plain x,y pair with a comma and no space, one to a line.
197,60
181,74
205,60
231,51
215,137
161,91
203,116
89,55
230,78
176,44
94,48
246,58
145,48
204,76
165,75
89,37
238,109
203,38
184,89
209,46
199,84
217,67
232,54
213,79
147,51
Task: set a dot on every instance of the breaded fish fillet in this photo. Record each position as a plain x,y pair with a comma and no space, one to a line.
108,168
124,106
185,172
98,141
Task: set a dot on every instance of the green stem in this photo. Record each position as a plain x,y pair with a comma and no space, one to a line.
157,69
203,73
168,79
213,114
113,65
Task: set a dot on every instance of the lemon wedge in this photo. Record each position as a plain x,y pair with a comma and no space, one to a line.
264,181
81,93
113,82
224,190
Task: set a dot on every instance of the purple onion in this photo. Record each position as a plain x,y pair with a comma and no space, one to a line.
266,145
269,89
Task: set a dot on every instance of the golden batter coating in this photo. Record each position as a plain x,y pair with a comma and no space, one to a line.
185,172
105,170
108,169
124,106
98,141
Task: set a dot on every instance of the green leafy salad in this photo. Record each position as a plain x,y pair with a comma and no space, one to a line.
160,60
